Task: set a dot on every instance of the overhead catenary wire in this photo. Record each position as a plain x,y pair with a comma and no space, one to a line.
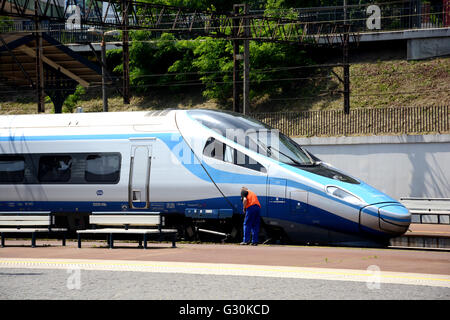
253,71
324,92
202,73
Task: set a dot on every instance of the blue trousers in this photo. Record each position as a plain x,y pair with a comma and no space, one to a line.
251,224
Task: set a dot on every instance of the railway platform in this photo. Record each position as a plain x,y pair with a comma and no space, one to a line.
420,239
320,267
390,259
220,272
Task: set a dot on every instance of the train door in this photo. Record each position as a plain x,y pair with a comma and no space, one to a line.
276,196
139,183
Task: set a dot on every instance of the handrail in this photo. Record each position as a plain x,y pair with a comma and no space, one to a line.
428,210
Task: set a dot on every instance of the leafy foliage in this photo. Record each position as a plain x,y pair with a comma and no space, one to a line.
168,64
214,62
72,100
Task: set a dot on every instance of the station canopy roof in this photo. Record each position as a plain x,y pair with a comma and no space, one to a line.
18,61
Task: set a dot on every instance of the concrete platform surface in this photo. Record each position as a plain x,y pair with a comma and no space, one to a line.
417,229
386,260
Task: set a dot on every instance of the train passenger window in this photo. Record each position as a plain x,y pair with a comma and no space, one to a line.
12,169
221,151
102,168
213,149
54,168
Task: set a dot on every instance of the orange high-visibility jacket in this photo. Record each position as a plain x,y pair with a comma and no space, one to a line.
252,199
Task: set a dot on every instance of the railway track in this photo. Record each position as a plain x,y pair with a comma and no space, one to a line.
424,236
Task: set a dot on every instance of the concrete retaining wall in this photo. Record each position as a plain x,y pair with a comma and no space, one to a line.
418,49
400,166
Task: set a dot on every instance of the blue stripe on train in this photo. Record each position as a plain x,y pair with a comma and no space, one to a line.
172,140
308,215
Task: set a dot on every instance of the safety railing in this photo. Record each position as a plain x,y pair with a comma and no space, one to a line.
428,210
367,121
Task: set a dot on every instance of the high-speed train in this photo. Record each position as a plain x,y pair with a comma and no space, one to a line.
189,165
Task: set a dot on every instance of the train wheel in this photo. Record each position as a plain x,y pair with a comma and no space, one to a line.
265,237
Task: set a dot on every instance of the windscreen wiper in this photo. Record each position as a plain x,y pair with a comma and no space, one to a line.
290,158
313,163
268,149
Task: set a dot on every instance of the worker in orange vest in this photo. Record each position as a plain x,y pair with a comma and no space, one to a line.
251,207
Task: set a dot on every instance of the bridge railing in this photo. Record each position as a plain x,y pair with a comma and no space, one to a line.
393,15
58,31
369,17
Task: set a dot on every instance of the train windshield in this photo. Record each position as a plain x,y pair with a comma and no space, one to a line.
255,135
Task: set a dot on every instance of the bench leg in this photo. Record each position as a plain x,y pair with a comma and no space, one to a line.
79,240
140,243
111,241
145,241
174,240
64,240
33,240
3,239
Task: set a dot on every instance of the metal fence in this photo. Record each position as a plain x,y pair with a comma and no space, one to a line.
376,121
393,15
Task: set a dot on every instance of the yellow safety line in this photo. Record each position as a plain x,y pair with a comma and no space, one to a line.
223,267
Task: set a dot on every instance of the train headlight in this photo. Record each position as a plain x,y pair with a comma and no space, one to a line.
343,195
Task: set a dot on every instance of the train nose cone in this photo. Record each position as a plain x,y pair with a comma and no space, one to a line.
394,218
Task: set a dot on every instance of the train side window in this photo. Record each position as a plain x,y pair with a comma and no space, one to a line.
102,168
214,149
54,168
245,161
220,151
12,169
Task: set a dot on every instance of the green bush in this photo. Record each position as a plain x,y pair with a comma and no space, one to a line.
71,102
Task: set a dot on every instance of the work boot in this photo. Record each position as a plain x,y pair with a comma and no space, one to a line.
244,243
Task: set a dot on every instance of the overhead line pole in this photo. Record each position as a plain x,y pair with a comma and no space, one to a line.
39,63
104,71
246,89
239,10
236,56
125,53
345,62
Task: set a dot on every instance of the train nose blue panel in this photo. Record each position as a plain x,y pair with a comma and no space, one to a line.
394,218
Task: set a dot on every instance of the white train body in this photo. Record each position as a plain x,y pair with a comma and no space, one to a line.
74,164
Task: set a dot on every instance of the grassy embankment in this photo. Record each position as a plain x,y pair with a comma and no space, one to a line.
378,84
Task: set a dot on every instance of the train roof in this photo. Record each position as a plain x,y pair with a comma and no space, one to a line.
218,120
89,119
221,120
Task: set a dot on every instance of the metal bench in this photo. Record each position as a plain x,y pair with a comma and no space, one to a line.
428,210
120,223
37,222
